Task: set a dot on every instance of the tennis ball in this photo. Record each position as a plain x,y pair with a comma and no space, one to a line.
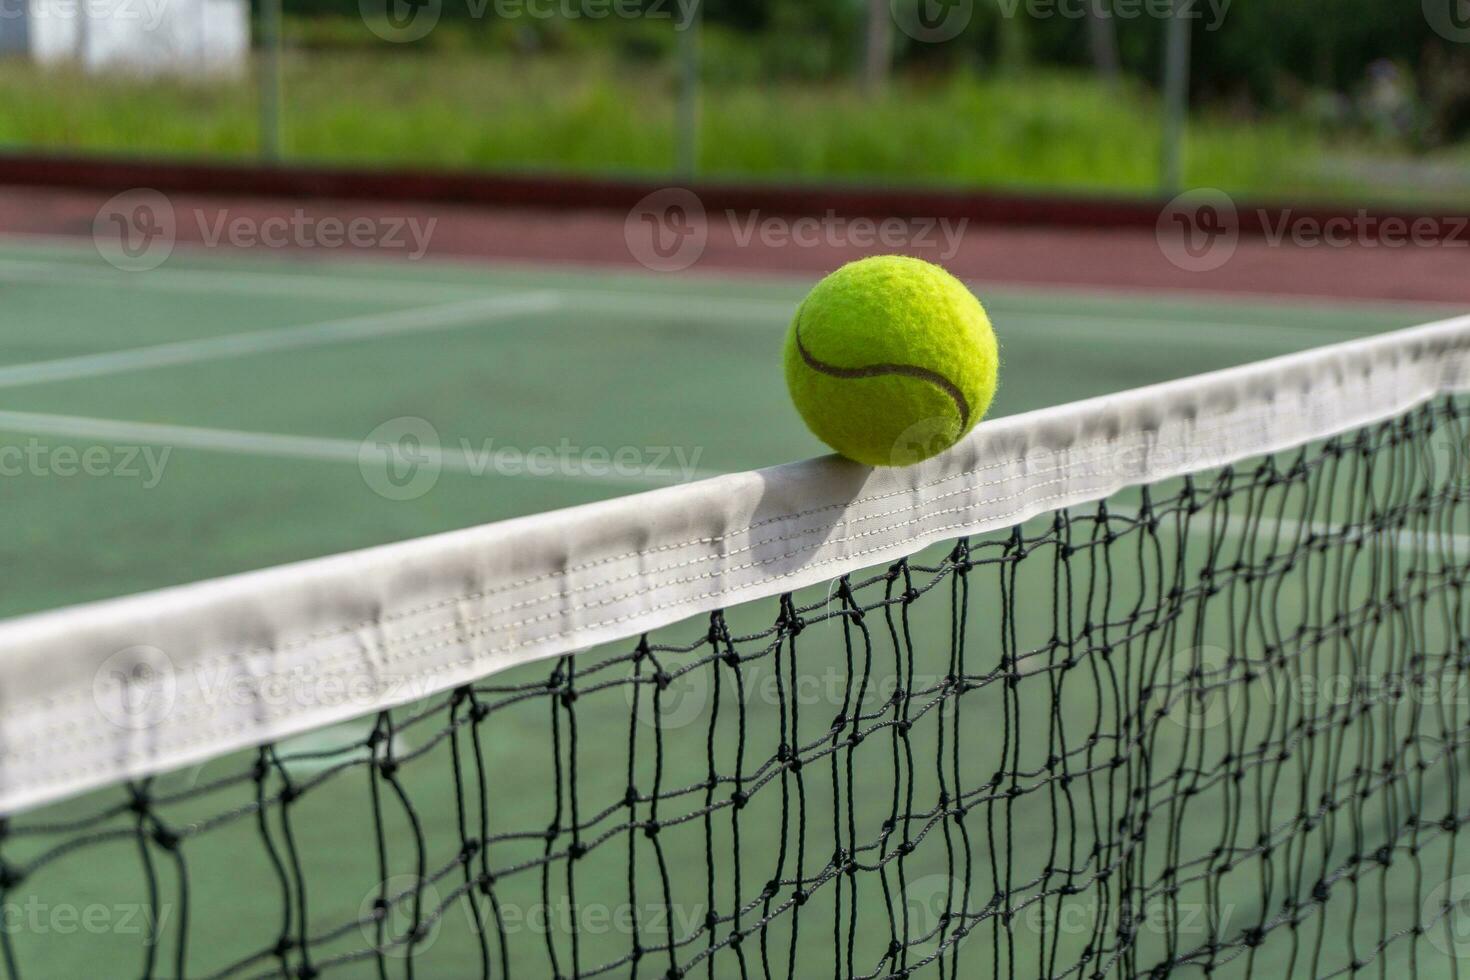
890,360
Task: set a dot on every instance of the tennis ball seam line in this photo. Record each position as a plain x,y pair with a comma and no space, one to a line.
962,404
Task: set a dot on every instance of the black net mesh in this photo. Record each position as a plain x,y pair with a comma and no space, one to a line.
1214,726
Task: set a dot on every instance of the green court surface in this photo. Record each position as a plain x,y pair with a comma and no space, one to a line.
238,446
241,393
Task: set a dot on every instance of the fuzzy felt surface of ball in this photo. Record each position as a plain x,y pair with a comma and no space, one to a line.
891,360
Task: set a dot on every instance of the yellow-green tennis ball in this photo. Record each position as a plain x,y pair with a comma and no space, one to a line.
891,360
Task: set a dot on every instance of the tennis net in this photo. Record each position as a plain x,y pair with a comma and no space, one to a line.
1172,682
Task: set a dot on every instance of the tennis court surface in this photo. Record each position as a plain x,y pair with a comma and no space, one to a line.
1167,682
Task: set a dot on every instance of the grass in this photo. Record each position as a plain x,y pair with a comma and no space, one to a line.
590,113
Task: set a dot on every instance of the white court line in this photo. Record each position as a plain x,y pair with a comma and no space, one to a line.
242,281
285,338
1152,326
1010,291
321,449
1181,329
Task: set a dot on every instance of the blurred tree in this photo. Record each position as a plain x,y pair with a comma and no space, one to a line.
1102,36
1445,82
1251,56
878,45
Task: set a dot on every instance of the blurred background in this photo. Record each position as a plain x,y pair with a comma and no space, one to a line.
281,279
1351,100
